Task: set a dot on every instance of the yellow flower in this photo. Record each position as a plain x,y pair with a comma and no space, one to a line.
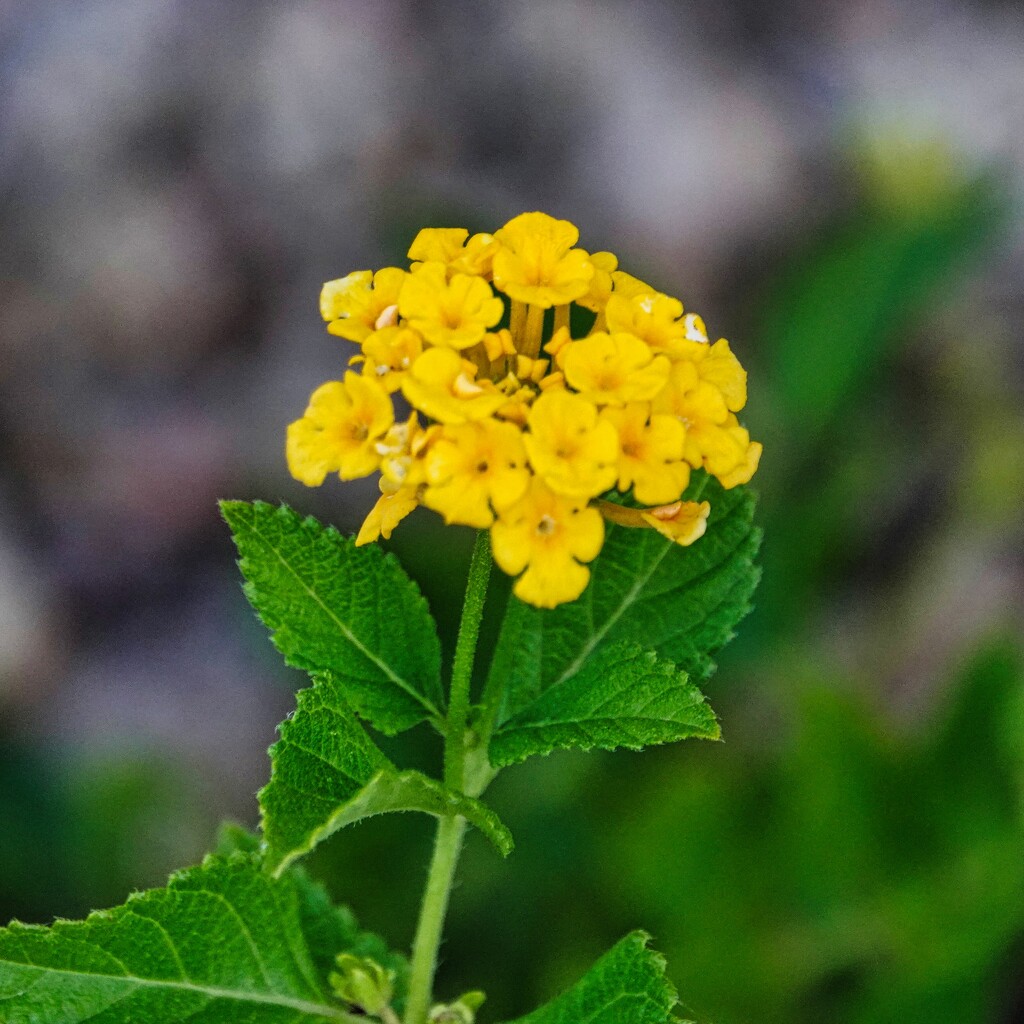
438,245
693,400
356,305
536,261
548,535
569,447
725,450
455,313
519,399
714,438
614,369
402,451
717,365
745,470
473,467
450,246
442,385
388,354
339,431
628,285
596,297
651,316
650,454
682,521
390,510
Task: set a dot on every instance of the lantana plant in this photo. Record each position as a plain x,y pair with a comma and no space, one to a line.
586,427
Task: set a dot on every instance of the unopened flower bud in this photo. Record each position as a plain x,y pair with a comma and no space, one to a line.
362,982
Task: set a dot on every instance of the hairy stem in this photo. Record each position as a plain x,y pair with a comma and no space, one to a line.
450,830
447,847
462,668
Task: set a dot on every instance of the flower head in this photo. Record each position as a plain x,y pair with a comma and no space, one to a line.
519,425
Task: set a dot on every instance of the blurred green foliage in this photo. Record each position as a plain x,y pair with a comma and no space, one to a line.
848,873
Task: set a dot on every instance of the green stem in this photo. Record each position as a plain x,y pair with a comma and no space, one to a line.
447,847
462,668
450,830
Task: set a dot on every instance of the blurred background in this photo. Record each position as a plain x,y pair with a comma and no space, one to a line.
837,187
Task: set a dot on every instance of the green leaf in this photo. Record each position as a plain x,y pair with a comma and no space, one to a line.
223,942
623,696
329,928
626,986
681,602
333,607
327,773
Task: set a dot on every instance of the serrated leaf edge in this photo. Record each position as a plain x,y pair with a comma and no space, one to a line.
302,1006
309,524
641,581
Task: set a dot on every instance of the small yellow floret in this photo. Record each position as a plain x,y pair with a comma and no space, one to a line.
596,297
438,245
450,247
569,447
443,386
536,262
723,449
499,344
654,317
743,472
548,535
612,369
477,256
557,345
455,313
352,305
682,521
390,510
402,451
473,467
388,354
650,454
520,398
627,284
693,400
339,431
718,366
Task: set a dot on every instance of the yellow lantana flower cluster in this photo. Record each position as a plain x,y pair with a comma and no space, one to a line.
511,423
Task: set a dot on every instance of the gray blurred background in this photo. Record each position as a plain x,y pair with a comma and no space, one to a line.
835,186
